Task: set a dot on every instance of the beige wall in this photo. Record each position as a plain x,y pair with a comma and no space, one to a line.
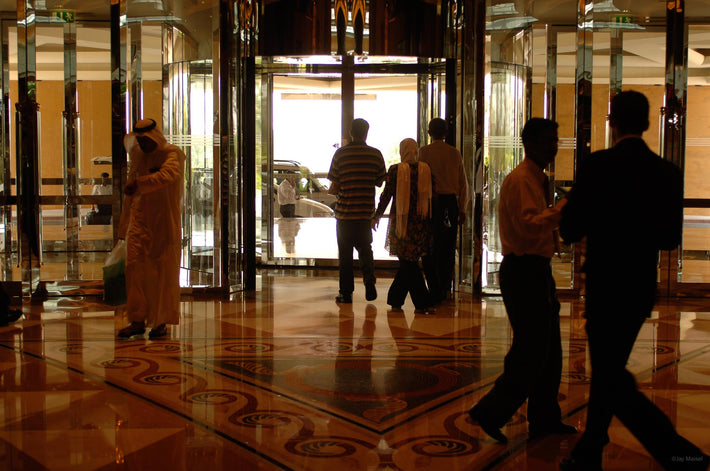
95,114
94,101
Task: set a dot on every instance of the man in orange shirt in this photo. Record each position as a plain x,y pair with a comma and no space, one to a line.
533,365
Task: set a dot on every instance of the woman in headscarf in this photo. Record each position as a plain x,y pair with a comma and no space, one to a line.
151,225
409,233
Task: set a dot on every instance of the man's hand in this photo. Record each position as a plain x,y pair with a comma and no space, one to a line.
131,188
374,222
561,203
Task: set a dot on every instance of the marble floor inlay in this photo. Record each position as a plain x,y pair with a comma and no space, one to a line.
286,379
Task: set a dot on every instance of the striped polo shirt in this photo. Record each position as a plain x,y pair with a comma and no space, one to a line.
357,168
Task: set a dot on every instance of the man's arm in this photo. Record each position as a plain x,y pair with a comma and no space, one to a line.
463,190
530,220
670,208
334,177
573,223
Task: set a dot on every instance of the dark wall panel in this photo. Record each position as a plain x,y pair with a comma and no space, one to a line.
294,27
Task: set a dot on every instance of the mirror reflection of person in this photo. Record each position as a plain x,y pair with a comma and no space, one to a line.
151,225
287,196
103,188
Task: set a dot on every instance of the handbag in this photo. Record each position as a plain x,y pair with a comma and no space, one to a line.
115,275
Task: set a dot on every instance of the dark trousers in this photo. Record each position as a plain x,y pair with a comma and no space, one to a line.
612,328
354,234
409,279
287,210
439,264
533,365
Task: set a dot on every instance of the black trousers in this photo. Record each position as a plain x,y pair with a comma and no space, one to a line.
409,279
612,327
533,365
287,210
354,234
439,264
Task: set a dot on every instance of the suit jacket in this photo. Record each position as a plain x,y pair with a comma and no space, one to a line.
628,203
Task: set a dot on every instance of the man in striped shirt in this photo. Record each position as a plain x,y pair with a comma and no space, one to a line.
354,172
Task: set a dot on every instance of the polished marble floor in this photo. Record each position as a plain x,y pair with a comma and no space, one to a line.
285,379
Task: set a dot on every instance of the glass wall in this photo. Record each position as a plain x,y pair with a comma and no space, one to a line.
71,89
62,66
695,254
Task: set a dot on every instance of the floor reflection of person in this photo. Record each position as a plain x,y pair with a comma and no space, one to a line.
353,362
648,218
151,225
288,230
409,233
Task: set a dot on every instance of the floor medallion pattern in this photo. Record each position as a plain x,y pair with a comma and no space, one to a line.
282,381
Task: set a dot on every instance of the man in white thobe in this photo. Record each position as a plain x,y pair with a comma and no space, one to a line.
151,225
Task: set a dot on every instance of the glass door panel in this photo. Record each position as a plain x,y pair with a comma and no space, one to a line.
188,123
305,125
506,111
695,254
389,103
73,60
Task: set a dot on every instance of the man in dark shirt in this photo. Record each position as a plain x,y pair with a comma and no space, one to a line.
354,172
648,218
449,205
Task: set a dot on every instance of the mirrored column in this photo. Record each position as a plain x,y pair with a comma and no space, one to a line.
71,151
27,139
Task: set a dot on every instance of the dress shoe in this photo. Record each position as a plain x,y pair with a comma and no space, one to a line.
134,328
370,292
429,310
10,316
396,308
573,464
557,429
492,430
344,299
158,331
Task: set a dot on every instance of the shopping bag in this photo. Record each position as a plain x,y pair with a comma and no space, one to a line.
115,275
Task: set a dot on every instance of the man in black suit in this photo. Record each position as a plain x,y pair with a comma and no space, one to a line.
645,218
7,315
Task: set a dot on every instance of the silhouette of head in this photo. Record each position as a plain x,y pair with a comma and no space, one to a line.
540,140
629,113
359,129
438,128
